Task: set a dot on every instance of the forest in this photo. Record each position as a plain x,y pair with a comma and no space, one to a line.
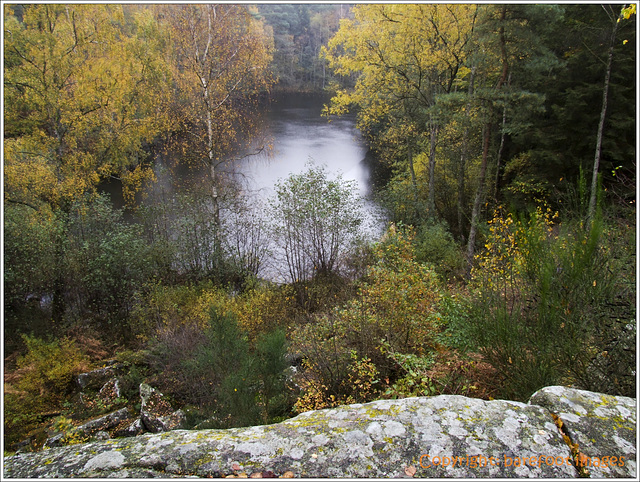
505,136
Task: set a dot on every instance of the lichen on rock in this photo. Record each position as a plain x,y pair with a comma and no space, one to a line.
603,427
443,436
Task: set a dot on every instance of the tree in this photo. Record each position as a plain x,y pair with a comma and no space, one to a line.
512,51
316,221
82,98
405,56
615,21
221,60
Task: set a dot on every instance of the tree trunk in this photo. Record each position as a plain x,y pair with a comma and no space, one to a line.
501,148
475,213
214,182
431,203
603,113
464,154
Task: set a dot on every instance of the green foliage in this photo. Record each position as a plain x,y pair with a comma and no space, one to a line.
359,384
270,370
394,311
299,31
542,294
396,303
43,378
108,262
404,201
435,246
416,382
214,369
316,221
50,366
30,239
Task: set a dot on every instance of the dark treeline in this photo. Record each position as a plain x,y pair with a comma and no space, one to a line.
508,262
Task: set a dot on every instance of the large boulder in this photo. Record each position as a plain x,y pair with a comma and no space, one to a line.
602,426
97,378
443,436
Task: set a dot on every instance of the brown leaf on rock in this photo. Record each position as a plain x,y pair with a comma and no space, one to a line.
410,471
287,475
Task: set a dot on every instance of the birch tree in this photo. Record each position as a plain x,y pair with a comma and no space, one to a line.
221,65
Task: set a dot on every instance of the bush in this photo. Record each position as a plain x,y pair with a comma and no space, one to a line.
108,263
213,368
435,245
542,295
394,311
44,377
316,221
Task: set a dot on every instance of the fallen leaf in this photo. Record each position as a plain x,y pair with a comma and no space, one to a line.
410,471
235,466
267,474
287,475
256,475
243,475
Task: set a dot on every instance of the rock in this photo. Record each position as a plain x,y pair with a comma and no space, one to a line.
443,436
156,412
101,435
97,378
130,430
603,426
23,446
91,427
110,391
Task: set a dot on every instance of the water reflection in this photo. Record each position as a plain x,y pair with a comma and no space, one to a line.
299,134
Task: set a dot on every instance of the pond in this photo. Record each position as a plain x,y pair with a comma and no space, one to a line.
295,135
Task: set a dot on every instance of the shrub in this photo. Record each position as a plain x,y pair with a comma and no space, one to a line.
395,311
397,302
108,262
541,294
43,378
316,221
435,245
263,308
213,368
360,384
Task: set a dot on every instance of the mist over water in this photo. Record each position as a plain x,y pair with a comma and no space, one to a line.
294,135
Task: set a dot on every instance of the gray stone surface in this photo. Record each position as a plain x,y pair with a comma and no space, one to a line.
603,426
417,437
97,378
131,430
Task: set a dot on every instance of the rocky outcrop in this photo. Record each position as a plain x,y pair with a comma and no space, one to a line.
603,428
91,428
98,378
443,436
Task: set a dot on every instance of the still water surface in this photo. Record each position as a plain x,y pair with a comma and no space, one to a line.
297,135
